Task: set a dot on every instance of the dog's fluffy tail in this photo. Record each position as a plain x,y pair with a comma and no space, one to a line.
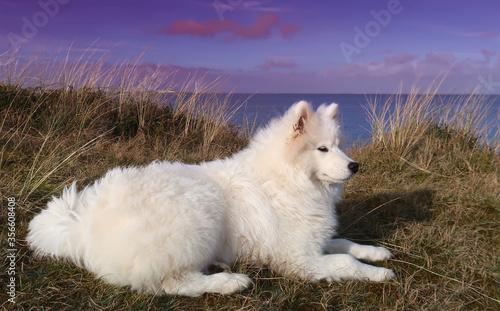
56,231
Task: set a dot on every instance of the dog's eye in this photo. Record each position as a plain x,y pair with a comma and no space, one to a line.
323,149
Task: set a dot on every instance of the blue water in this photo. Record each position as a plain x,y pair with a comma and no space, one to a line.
260,108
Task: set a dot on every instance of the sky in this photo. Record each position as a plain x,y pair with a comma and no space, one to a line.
268,46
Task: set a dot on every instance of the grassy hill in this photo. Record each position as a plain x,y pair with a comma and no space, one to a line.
428,190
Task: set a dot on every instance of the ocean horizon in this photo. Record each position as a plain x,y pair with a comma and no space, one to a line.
258,109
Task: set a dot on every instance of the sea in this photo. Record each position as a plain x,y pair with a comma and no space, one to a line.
256,110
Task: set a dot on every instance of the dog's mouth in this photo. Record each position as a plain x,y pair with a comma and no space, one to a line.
331,180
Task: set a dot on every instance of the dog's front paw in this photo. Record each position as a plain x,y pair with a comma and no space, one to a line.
373,253
382,275
380,254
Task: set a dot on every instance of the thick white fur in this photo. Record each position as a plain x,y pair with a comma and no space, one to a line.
158,228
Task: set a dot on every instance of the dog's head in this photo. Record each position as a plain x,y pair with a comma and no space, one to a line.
315,143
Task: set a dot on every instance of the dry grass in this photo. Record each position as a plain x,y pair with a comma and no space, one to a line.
60,110
427,190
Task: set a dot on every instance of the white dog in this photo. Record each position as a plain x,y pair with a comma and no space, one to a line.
158,228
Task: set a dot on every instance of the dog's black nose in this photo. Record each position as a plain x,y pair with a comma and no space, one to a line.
353,167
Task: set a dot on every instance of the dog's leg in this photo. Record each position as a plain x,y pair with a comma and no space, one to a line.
362,252
340,267
195,283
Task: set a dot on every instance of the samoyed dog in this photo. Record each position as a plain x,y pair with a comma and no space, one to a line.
161,227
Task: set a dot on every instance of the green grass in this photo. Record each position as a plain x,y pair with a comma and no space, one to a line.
427,190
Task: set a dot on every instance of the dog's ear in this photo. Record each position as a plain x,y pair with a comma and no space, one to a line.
302,113
332,111
300,127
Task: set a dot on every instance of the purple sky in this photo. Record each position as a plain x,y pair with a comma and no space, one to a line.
279,46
